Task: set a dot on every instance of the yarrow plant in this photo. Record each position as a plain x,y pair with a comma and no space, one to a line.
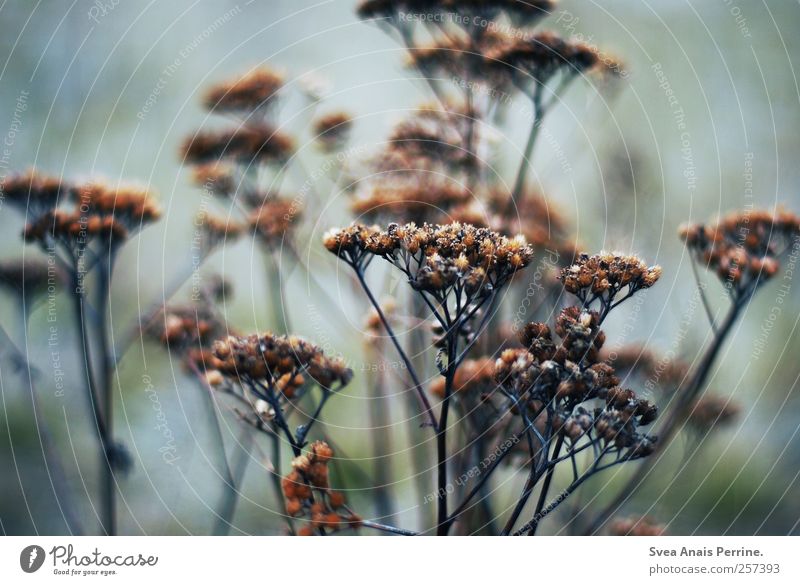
508,422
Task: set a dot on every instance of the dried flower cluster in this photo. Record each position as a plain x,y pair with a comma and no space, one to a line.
230,163
555,378
90,212
281,362
437,259
712,411
332,131
743,249
307,493
603,276
474,375
256,91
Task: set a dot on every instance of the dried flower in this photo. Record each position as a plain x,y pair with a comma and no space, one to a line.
603,276
743,249
254,143
268,358
712,411
332,131
436,257
33,192
567,374
476,375
274,219
256,90
307,493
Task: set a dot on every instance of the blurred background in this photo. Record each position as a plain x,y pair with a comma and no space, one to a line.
705,122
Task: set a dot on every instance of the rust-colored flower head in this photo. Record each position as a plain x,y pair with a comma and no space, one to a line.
332,131
644,526
634,361
603,276
307,493
34,192
538,58
185,328
567,373
436,257
710,412
275,219
744,249
251,144
215,178
257,90
74,230
474,375
214,231
417,204
130,206
269,358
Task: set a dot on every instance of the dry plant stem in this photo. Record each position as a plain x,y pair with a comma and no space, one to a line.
52,461
545,487
380,424
280,320
230,498
275,477
223,522
427,409
533,524
484,478
107,492
419,451
530,484
387,528
442,523
701,289
522,172
672,422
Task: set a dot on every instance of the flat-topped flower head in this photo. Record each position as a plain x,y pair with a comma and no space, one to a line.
566,373
332,131
214,231
743,248
251,144
711,411
74,229
275,219
537,58
256,90
216,178
34,192
131,206
271,358
437,257
603,276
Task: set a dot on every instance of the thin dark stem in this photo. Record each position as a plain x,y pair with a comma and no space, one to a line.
546,485
387,528
443,525
524,165
428,410
108,512
701,289
671,425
